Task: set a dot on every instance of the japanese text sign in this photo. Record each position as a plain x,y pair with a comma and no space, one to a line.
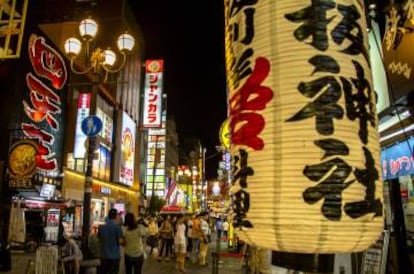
303,123
43,104
153,94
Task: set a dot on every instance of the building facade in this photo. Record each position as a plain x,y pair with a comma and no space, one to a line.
43,149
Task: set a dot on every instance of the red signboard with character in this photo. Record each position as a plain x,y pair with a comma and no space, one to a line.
45,80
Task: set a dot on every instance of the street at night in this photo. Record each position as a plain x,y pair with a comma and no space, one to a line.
283,128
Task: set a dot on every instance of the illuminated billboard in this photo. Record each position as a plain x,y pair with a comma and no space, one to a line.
44,92
156,175
153,94
126,171
84,104
108,125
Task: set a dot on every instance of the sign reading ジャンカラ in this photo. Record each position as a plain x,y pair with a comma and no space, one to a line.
153,94
303,126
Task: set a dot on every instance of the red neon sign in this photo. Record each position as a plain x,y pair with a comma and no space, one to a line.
45,104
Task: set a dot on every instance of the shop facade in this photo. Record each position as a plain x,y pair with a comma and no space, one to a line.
35,96
398,166
396,136
105,195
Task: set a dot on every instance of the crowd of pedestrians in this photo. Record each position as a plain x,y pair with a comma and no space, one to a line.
181,238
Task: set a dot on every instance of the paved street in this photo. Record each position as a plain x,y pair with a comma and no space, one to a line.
226,266
152,266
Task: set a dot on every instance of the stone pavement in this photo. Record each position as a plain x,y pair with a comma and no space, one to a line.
229,265
226,266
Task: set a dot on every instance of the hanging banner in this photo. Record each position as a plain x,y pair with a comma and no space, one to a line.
17,223
303,123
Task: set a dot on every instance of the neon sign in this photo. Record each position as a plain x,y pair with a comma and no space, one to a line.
44,108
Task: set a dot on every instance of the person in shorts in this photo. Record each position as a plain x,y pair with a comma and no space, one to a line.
180,244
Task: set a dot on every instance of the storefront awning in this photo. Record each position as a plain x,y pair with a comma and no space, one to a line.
173,210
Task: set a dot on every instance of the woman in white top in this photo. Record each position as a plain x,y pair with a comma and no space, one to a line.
180,244
225,229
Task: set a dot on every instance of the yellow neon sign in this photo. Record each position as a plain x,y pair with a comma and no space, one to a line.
102,183
225,134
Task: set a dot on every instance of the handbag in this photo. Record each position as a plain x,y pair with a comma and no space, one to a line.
152,241
166,233
207,238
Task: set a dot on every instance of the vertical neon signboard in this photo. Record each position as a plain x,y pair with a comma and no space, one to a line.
126,173
84,104
153,94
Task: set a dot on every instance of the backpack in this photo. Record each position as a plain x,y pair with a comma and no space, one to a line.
196,233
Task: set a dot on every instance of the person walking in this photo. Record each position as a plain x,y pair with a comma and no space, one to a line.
134,246
180,243
189,221
166,234
195,238
225,229
219,227
110,237
153,234
94,245
205,238
174,220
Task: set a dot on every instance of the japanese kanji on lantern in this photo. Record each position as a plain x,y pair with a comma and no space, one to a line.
303,125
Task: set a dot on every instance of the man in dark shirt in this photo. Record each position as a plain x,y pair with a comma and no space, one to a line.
110,236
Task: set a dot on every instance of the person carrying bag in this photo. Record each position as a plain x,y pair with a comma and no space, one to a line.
167,239
152,240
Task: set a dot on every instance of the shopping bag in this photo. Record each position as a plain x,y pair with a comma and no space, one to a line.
155,252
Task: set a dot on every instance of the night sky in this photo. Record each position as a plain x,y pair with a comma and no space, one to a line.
190,40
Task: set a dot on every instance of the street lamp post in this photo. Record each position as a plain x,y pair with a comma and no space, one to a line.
203,180
97,61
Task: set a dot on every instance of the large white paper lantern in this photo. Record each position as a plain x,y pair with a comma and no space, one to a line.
303,126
